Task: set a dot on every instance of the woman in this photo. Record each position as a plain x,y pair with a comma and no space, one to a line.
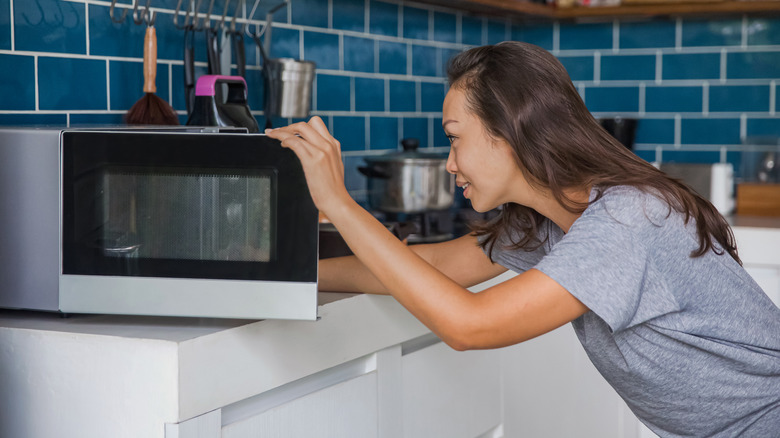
646,270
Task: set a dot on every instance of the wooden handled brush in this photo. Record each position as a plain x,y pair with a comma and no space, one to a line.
151,109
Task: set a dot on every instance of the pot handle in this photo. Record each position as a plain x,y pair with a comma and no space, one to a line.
374,172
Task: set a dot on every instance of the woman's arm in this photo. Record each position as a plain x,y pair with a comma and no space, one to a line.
511,312
460,259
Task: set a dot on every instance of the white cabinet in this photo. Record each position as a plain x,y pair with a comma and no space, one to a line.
451,394
344,410
768,277
552,389
420,388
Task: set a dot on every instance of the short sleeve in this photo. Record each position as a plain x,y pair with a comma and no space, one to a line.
603,263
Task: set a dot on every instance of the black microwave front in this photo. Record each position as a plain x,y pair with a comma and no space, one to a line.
178,223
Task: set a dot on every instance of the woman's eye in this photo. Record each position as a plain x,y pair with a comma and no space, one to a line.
451,138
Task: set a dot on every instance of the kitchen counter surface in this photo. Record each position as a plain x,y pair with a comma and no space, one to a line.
135,373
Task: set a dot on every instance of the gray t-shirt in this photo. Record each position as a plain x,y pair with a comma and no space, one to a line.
691,344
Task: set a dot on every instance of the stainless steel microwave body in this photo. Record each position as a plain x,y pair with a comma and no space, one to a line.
169,222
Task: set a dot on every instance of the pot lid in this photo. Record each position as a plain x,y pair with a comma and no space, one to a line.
410,153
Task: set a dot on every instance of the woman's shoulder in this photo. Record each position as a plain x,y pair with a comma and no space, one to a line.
629,205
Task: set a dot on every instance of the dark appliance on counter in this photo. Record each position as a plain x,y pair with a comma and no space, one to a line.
623,129
222,101
180,222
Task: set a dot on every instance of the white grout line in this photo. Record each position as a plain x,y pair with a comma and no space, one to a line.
705,98
37,85
772,97
108,85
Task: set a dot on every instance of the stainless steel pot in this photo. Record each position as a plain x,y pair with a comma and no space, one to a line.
409,182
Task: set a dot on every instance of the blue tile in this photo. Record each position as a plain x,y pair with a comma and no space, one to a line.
73,84
415,23
658,131
580,68
432,97
673,99
285,43
177,82
647,34
5,24
537,34
392,58
446,56
496,31
310,13
471,30
612,99
16,82
710,131
763,31
648,156
107,38
688,156
353,179
439,138
383,18
403,96
416,127
384,133
280,16
369,94
444,27
585,36
753,65
631,67
349,15
332,93
350,132
255,88
50,26
81,119
691,66
700,32
739,98
33,119
322,48
127,83
763,127
358,54
424,61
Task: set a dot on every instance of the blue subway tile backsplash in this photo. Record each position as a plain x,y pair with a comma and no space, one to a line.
697,86
748,98
680,66
78,84
628,67
647,34
349,15
585,36
674,99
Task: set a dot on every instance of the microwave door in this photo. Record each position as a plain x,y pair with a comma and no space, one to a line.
186,225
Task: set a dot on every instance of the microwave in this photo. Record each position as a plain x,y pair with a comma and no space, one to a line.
199,222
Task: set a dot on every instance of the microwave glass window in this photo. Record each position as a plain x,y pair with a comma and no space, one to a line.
217,215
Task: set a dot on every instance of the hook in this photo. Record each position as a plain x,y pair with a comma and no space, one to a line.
206,23
111,13
146,16
221,24
194,24
186,15
235,16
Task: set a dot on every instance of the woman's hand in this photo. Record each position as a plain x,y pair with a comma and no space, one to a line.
320,155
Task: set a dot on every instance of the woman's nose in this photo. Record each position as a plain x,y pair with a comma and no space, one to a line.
451,166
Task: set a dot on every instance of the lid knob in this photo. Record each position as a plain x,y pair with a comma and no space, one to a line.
410,144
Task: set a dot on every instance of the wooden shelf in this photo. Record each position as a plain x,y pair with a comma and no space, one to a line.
525,9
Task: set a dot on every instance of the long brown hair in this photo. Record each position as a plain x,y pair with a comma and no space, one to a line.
523,94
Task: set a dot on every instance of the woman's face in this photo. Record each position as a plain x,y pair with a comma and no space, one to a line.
483,166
